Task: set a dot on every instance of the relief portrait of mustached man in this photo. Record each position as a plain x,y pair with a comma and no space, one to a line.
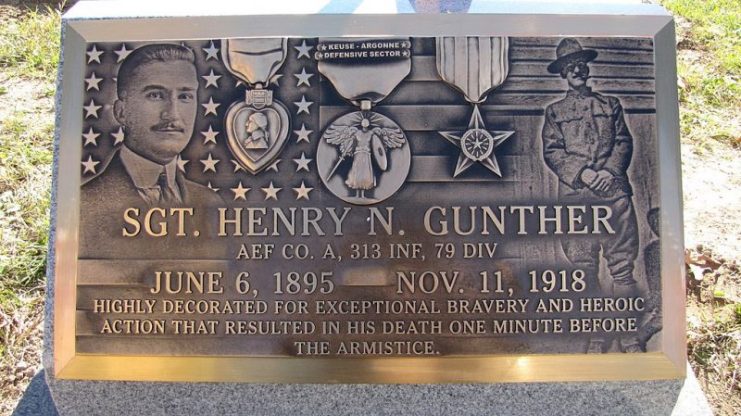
156,106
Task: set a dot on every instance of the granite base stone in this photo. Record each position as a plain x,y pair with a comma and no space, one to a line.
674,397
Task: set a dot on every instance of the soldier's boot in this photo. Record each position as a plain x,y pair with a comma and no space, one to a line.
652,326
596,346
652,320
628,343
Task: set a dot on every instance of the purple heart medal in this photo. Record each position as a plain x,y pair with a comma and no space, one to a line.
257,128
474,66
363,157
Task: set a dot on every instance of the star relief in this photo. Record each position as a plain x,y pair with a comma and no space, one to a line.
93,55
274,165
303,134
303,50
303,78
181,164
212,79
122,53
302,163
92,82
210,107
302,192
212,52
89,165
303,106
91,137
91,110
271,192
275,80
477,144
209,164
237,166
240,192
211,187
118,136
209,136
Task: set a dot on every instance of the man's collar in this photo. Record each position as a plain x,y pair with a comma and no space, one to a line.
582,92
145,172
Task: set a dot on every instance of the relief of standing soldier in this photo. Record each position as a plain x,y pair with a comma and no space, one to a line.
588,145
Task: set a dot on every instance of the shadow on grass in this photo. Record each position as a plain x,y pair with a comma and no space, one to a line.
36,399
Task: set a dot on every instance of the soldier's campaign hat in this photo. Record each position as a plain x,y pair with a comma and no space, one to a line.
569,50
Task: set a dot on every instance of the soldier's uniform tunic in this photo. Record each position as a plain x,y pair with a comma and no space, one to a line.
588,130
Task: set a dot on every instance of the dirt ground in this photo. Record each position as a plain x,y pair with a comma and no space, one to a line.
712,203
711,183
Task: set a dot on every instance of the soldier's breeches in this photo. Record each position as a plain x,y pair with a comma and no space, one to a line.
620,249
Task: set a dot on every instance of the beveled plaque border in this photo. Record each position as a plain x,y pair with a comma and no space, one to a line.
91,21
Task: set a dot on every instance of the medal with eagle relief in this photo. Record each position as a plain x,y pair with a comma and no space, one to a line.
364,157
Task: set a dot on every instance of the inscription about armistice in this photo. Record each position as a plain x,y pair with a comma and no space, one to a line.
316,197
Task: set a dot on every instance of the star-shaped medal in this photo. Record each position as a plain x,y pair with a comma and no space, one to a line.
477,144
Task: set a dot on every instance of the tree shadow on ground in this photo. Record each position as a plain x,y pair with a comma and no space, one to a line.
36,399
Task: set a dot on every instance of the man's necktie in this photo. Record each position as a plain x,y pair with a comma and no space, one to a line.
166,193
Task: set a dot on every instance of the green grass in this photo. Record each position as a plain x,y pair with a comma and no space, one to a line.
716,25
709,70
29,46
29,50
25,168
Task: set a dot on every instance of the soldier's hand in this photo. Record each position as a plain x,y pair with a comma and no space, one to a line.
604,181
588,177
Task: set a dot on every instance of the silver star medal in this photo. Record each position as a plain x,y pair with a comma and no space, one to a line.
477,143
363,157
257,128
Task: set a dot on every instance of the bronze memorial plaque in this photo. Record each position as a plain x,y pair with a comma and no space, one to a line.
386,209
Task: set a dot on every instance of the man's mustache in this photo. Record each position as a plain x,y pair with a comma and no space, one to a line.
168,126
